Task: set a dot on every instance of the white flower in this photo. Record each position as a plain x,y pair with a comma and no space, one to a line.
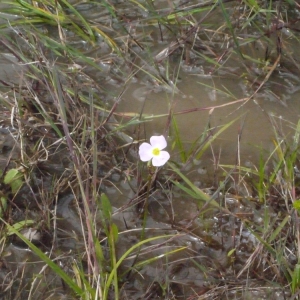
154,151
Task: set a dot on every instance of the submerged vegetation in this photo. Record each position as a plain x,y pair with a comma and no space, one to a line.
81,216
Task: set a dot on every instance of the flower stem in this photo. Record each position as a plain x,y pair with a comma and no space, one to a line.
152,172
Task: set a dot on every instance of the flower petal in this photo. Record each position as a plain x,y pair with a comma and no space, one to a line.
158,142
161,159
145,152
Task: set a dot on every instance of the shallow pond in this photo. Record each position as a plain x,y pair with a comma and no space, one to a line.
202,98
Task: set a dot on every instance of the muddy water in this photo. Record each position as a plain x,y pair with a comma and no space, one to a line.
192,86
197,85
258,118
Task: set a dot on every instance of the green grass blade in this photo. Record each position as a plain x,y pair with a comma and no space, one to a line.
178,140
150,260
208,143
296,278
81,18
67,279
230,27
199,194
278,229
121,259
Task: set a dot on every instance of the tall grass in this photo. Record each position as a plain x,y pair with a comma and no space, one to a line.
51,107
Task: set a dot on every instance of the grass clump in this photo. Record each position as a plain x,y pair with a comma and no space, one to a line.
71,145
67,146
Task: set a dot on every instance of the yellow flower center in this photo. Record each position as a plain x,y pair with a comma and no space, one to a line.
155,151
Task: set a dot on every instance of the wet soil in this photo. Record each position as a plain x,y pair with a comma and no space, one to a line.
205,266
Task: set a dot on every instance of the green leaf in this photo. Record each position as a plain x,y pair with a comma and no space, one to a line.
106,207
296,205
18,226
231,252
114,231
11,176
14,178
15,185
3,205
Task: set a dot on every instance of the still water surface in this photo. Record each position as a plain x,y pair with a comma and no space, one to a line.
211,94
